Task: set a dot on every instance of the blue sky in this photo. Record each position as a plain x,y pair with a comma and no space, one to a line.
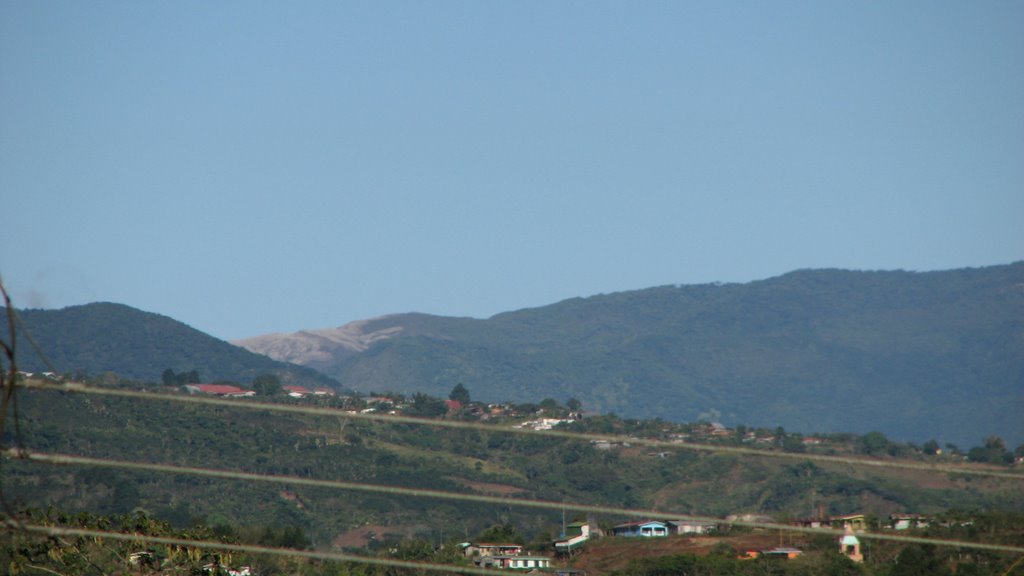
251,167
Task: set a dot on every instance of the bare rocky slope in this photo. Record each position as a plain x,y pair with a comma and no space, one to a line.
318,348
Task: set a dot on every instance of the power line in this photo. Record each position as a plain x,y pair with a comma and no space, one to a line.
561,434
63,459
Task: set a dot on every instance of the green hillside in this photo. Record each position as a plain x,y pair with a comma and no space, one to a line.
487,461
103,337
915,355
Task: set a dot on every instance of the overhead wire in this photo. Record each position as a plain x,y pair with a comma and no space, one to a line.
63,459
77,387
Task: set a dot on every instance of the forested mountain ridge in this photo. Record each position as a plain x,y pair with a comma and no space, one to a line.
105,337
914,355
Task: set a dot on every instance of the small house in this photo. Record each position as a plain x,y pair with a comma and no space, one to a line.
576,534
646,529
812,522
488,549
691,527
907,521
782,553
855,521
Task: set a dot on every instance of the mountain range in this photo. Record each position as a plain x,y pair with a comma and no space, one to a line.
917,356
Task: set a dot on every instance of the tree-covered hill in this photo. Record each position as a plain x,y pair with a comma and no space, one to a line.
914,355
104,337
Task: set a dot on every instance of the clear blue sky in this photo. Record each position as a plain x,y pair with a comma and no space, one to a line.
250,167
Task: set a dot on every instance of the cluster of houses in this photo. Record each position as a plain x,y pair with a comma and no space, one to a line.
858,523
504,555
386,404
849,544
543,423
713,430
232,391
510,556
658,528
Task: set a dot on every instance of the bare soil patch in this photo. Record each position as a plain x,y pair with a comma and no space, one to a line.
359,537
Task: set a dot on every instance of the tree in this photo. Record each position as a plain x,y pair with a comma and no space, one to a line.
415,550
573,404
793,443
874,443
836,564
549,406
919,560
170,378
994,452
501,534
190,377
459,394
931,447
266,384
426,406
294,537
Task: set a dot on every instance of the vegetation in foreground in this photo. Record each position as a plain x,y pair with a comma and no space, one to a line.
720,555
